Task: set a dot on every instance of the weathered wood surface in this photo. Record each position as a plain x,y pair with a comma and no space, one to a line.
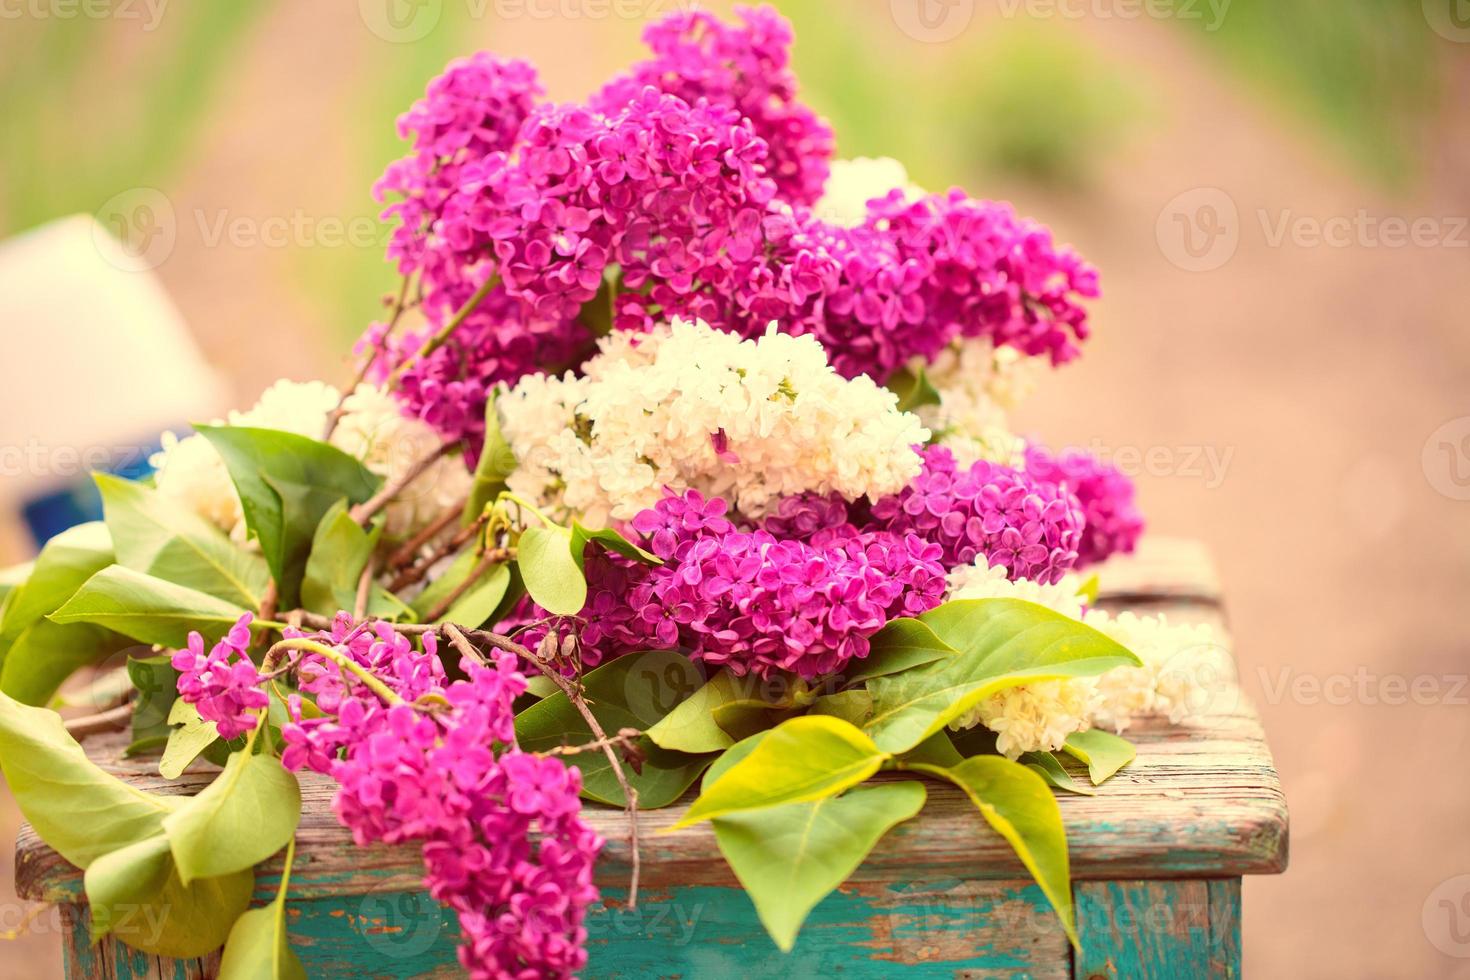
942,894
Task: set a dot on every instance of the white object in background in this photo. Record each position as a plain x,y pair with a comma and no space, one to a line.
95,360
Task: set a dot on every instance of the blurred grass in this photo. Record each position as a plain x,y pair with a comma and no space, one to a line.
1364,71
66,149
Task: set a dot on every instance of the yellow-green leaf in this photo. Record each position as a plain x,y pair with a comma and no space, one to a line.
805,758
791,857
1104,753
247,814
1002,643
1019,806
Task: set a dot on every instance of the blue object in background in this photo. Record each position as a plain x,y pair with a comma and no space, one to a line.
48,515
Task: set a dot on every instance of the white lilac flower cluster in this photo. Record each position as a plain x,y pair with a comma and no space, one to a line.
687,406
372,428
1183,666
979,386
851,184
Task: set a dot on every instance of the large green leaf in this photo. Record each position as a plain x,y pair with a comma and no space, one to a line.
497,462
553,578
37,656
287,483
805,758
1050,768
192,736
76,808
633,691
340,550
898,646
247,814
259,949
157,686
68,560
720,713
154,535
1019,806
46,654
135,894
791,857
1104,753
1002,643
610,539
147,608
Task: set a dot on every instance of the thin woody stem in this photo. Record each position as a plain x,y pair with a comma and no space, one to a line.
573,691
446,331
399,305
364,512
368,678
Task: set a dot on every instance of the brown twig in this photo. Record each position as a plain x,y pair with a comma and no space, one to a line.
491,557
405,555
103,721
363,512
573,690
365,588
399,305
415,572
624,739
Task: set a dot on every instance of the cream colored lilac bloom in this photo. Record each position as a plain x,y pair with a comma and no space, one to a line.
688,406
372,429
851,184
979,386
1184,667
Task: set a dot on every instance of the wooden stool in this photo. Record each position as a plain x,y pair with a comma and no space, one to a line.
1157,860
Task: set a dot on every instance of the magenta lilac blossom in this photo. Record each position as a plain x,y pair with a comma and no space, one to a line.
746,67
222,684
1030,527
1113,522
503,842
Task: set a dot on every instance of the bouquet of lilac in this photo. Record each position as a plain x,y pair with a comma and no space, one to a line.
665,386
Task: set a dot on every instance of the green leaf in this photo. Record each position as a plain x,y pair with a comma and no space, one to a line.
147,608
68,560
718,714
46,654
913,389
1089,588
497,462
76,808
791,857
156,536
898,646
936,750
156,682
247,814
135,893
129,876
552,577
1001,643
340,550
193,736
1050,768
287,483
632,691
806,758
1018,805
854,706
442,587
259,949
1103,752
609,539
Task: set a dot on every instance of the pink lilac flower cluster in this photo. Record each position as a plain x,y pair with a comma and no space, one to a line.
1113,521
746,67
682,191
222,684
1031,527
749,600
440,766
